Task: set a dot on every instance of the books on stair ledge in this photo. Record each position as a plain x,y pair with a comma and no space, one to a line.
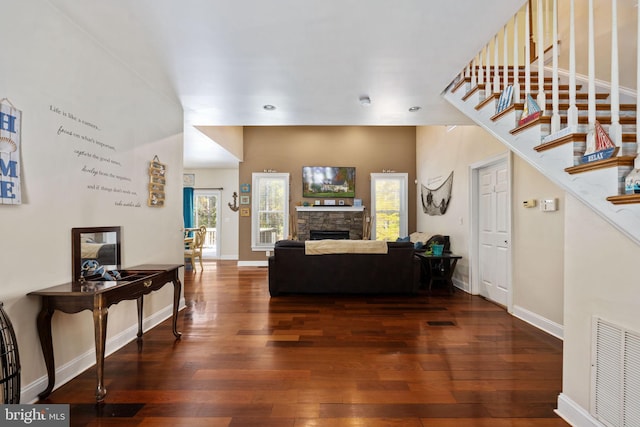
530,112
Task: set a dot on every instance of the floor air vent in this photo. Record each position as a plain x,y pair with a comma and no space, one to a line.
615,375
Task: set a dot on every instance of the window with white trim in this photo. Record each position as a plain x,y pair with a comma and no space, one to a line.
389,206
269,209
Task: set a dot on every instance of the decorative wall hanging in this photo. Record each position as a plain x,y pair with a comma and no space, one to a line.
245,200
245,188
234,207
435,201
245,211
10,135
157,181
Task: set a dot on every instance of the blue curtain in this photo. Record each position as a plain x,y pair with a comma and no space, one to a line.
187,207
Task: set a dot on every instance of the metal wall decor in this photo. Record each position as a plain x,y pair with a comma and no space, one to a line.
157,181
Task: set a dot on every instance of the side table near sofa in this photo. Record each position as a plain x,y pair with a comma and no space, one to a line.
438,267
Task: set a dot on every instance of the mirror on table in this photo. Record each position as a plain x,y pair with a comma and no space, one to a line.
95,252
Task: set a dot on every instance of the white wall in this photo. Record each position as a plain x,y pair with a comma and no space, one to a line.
60,78
228,180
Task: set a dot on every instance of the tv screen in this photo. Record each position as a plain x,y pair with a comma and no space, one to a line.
328,181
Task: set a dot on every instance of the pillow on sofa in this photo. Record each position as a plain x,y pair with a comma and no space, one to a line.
403,239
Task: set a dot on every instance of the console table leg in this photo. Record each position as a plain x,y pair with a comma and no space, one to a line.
100,330
46,342
139,302
177,288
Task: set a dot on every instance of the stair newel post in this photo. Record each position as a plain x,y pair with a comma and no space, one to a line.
527,53
540,47
615,130
572,113
496,65
516,66
555,118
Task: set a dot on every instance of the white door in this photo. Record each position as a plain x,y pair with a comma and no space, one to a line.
207,207
493,230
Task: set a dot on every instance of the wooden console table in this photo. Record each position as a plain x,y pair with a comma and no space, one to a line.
98,296
444,265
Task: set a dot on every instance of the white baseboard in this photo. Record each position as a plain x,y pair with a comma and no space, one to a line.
538,321
253,263
463,286
73,368
575,414
229,257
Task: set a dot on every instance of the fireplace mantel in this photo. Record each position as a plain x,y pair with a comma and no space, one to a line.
330,208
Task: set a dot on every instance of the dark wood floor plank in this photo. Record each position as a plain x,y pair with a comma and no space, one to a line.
246,359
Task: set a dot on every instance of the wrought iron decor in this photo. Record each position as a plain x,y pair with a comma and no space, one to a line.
9,362
435,201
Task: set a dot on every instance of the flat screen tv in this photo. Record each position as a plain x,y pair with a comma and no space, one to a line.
328,181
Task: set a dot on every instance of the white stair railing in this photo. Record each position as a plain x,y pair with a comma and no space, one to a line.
516,60
542,102
572,113
555,91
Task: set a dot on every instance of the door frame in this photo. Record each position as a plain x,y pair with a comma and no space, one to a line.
474,225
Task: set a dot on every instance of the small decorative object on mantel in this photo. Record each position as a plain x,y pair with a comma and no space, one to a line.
599,145
435,201
157,181
632,182
10,135
235,206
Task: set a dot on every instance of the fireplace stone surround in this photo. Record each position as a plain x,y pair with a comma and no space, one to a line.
325,218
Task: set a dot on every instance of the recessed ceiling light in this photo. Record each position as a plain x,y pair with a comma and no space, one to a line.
414,108
269,107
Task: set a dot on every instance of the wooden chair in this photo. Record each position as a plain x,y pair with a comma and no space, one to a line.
193,247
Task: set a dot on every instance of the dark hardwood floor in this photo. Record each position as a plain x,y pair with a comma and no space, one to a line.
299,361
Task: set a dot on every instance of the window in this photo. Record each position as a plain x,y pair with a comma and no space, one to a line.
389,200
269,209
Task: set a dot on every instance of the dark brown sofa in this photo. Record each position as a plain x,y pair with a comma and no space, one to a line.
291,271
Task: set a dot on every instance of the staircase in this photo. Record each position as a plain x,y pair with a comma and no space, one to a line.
556,149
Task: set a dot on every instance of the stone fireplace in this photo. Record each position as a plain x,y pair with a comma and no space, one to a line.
336,219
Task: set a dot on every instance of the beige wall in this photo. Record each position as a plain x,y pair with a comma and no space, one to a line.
537,238
288,149
601,277
438,153
538,245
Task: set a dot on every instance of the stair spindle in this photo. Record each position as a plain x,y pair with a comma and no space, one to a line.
527,54
615,130
541,95
516,65
496,65
572,112
488,90
505,62
555,118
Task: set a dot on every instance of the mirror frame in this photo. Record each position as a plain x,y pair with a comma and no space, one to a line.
76,254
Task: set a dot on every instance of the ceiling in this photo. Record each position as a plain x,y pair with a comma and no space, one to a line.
223,60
